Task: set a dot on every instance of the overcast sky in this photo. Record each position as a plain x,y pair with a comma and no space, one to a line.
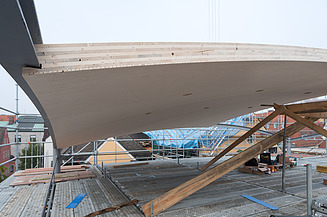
284,22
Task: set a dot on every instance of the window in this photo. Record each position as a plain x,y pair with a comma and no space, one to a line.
11,168
19,138
33,138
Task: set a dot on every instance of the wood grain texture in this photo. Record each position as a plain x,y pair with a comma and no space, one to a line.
257,127
94,91
112,208
306,123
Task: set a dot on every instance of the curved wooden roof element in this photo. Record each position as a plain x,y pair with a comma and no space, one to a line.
94,91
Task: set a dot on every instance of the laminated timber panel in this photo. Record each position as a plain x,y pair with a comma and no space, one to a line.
94,91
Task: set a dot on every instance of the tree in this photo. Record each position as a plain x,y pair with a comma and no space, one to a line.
31,150
2,171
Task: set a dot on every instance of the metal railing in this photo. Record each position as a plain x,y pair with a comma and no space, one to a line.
50,193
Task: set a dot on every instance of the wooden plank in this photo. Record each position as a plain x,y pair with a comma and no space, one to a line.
257,127
130,165
322,169
27,180
315,115
175,195
312,107
48,172
306,122
112,208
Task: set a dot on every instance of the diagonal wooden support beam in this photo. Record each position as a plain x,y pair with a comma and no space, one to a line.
177,194
306,122
257,127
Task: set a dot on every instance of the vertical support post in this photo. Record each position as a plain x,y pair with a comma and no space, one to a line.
56,156
151,209
284,144
37,154
16,120
289,146
177,149
152,149
72,155
309,189
163,144
32,147
25,157
42,151
94,153
115,151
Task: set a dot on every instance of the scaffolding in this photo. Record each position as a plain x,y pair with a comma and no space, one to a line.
164,144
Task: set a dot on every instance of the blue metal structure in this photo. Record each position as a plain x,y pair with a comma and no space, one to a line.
189,138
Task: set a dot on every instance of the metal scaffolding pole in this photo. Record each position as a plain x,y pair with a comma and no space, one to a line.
56,157
16,120
284,144
309,189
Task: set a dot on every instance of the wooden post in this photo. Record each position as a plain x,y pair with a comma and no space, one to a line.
177,194
257,127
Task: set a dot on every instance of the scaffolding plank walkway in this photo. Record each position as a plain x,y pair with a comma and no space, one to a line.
86,206
223,196
6,194
62,198
36,200
101,194
17,203
28,200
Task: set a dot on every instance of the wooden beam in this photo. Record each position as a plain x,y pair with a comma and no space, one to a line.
257,127
314,115
321,169
312,107
112,208
177,194
306,122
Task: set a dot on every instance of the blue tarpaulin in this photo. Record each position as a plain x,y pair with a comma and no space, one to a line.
76,201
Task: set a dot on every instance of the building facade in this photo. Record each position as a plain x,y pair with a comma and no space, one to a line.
5,153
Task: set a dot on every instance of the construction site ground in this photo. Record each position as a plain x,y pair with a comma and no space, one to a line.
222,197
146,182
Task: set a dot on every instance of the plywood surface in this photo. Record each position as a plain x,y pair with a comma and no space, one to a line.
27,180
94,91
48,170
